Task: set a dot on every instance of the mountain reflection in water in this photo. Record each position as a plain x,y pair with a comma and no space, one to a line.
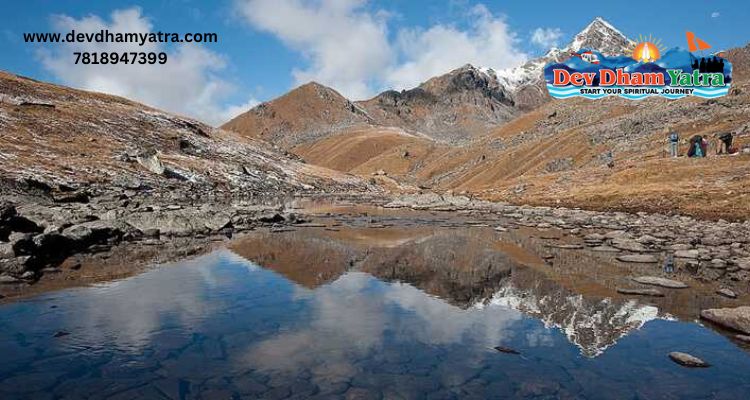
400,313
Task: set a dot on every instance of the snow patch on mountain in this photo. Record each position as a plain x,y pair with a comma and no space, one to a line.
599,35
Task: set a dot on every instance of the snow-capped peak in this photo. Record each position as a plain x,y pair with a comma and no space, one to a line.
599,35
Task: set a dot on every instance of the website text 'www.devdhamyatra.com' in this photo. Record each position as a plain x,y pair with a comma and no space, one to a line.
121,57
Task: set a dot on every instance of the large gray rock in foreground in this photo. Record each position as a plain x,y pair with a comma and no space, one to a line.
688,360
180,222
732,318
659,281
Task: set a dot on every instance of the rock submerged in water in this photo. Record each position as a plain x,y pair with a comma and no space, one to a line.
737,318
659,281
688,360
507,350
638,258
640,292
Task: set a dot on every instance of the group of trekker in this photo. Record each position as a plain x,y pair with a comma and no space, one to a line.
699,144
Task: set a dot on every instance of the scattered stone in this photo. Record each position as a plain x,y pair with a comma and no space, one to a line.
506,350
729,293
743,338
659,281
605,249
687,360
629,245
594,237
151,233
737,318
690,254
647,239
638,258
501,229
640,292
565,246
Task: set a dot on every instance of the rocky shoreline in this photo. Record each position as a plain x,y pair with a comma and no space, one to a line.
40,235
37,235
707,250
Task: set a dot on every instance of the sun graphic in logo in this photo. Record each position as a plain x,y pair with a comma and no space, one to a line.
647,49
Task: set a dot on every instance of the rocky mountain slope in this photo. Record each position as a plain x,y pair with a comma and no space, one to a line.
452,108
68,143
305,114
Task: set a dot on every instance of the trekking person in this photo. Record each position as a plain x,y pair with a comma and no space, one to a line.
674,142
725,142
704,145
696,150
609,158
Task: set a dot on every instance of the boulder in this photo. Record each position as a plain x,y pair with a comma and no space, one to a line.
78,233
7,211
6,250
22,243
688,360
659,281
217,221
151,162
95,232
737,318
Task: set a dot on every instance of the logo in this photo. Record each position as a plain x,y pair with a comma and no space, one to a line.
647,69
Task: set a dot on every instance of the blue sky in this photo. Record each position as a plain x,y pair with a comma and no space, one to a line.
359,47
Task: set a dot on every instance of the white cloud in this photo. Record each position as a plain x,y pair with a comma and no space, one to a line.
546,37
348,46
487,41
715,14
233,111
186,84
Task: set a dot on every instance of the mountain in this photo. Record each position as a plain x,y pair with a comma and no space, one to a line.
452,108
305,114
526,83
58,140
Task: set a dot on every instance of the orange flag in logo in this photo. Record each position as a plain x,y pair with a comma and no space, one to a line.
692,40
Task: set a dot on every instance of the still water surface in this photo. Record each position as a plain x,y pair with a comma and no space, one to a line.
222,326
